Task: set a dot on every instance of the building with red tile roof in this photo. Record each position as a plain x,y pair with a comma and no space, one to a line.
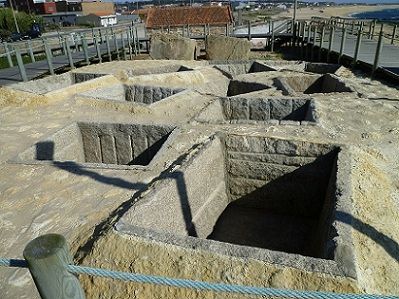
158,17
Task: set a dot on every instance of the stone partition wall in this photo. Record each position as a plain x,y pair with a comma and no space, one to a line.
148,94
53,83
264,109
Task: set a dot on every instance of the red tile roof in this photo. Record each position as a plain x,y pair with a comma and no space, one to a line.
188,15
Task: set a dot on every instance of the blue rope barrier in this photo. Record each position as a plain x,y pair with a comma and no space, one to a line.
202,285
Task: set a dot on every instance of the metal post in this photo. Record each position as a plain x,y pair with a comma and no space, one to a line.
49,57
378,52
123,47
108,47
295,8
249,30
48,257
394,34
21,66
134,41
138,41
323,31
372,31
32,56
96,38
330,43
341,49
9,59
68,49
272,42
357,48
116,46
370,28
85,50
314,42
129,43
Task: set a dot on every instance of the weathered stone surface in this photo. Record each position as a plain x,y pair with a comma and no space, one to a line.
169,46
227,48
38,197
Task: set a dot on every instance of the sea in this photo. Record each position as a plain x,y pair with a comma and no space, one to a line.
387,15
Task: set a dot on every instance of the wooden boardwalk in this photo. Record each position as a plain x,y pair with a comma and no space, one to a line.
40,68
388,54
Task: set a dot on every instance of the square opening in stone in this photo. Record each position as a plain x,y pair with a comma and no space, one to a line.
281,196
264,109
310,84
235,68
101,143
237,87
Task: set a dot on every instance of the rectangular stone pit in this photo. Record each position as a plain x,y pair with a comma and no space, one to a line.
101,145
145,95
56,82
235,68
311,84
254,197
259,110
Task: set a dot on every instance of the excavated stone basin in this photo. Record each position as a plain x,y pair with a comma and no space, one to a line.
258,197
101,144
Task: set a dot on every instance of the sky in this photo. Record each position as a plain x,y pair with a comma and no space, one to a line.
358,1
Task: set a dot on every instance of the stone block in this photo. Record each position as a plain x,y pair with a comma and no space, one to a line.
259,109
227,48
173,47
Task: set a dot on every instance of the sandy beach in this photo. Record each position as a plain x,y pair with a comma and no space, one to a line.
341,11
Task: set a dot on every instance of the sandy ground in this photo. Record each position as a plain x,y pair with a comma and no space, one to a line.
341,11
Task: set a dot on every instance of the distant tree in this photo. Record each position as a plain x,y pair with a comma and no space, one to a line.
24,20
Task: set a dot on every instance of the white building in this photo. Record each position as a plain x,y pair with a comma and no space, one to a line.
98,19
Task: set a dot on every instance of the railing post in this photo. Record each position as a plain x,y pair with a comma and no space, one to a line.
249,30
21,66
370,28
314,42
116,46
108,46
123,46
48,257
138,41
341,49
323,31
49,57
330,42
378,52
272,44
32,56
96,38
357,48
134,41
394,34
372,32
9,59
68,50
85,50
129,43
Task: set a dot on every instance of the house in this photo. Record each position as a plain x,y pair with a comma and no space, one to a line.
158,17
98,19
